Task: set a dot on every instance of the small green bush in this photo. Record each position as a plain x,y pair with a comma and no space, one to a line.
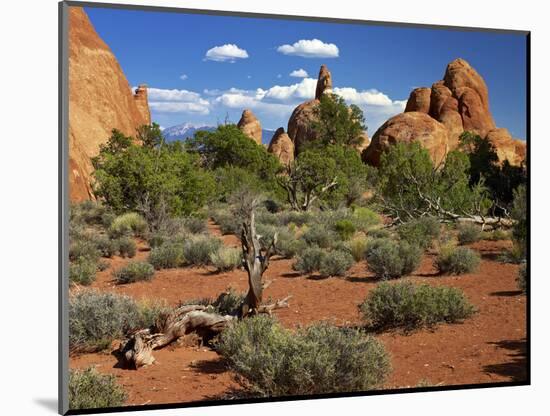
522,277
319,235
167,256
310,260
496,235
96,319
378,233
126,247
102,265
272,361
405,305
226,258
195,225
288,245
336,263
197,249
83,248
82,271
106,246
358,247
457,260
128,224
228,302
90,213
389,259
420,232
229,223
89,389
468,233
365,218
345,229
298,218
134,271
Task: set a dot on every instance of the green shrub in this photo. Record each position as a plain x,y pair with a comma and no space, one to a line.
345,229
90,213
358,247
106,246
457,260
102,265
126,247
228,302
468,233
298,218
85,248
389,259
167,256
229,223
89,389
288,245
365,218
134,271
272,361
379,233
156,239
318,235
420,232
226,258
522,277
195,225
310,260
127,224
336,263
96,319
197,250
82,271
405,305
497,235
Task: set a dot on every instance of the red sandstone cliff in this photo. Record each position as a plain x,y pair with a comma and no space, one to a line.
100,99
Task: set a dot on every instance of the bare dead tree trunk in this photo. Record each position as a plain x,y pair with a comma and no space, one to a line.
137,350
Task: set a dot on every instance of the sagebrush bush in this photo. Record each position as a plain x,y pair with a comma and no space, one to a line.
197,249
497,235
228,222
468,233
298,218
128,224
310,260
195,225
90,213
406,305
457,260
126,247
82,271
288,245
96,319
319,235
365,218
272,361
389,259
166,256
83,248
420,232
336,263
378,233
89,389
106,246
134,271
345,229
522,277
226,258
358,247
228,302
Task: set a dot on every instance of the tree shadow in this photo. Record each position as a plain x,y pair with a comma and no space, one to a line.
291,274
516,368
507,293
217,366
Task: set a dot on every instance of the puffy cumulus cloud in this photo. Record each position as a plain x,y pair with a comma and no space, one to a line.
177,101
370,97
312,48
183,77
299,73
225,53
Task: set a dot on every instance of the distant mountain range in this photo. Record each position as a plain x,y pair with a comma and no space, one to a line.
187,130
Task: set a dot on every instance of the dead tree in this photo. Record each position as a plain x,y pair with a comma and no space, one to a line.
137,350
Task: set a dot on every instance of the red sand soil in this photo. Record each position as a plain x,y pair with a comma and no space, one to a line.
489,347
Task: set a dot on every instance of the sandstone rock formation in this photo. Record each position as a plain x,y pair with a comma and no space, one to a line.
365,141
460,102
405,128
299,124
100,99
281,146
251,126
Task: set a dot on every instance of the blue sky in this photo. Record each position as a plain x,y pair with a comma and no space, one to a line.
201,68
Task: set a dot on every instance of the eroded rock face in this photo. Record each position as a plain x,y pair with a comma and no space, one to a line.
281,146
324,82
365,141
100,99
419,100
405,128
250,126
507,147
460,102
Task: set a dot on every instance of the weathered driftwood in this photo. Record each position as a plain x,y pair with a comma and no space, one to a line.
137,350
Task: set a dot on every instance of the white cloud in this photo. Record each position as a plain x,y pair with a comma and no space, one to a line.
179,107
183,77
299,73
370,97
176,101
304,90
313,48
225,53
